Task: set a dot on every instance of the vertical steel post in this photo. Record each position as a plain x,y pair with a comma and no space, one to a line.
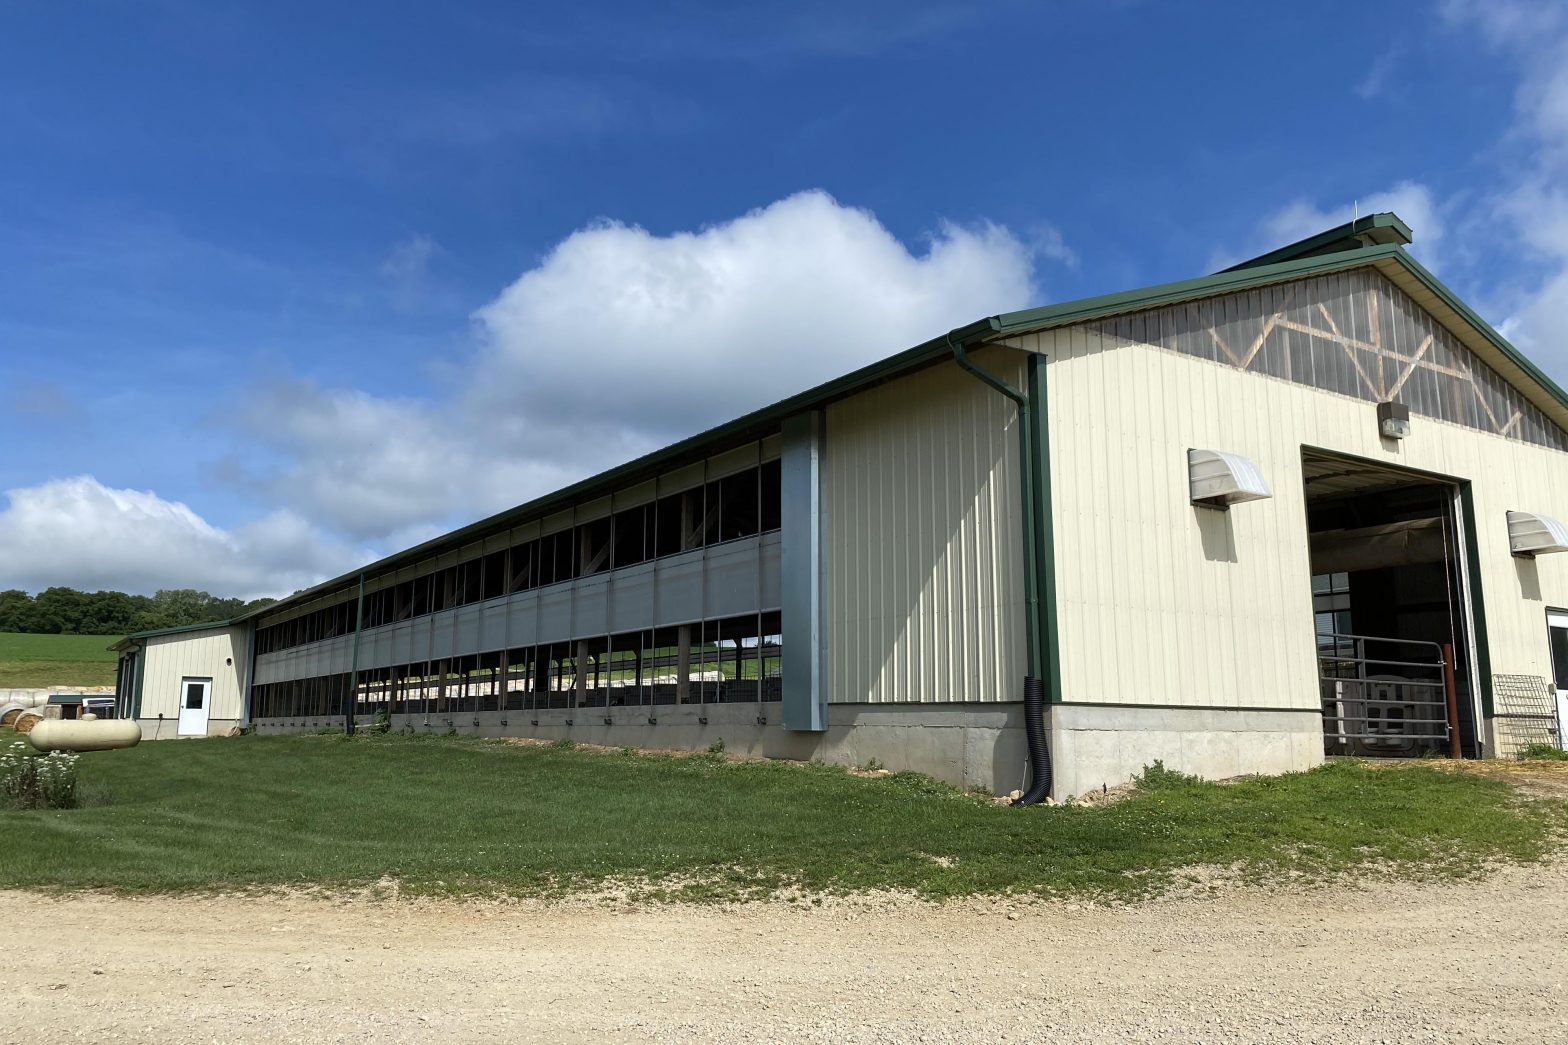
1451,691
351,704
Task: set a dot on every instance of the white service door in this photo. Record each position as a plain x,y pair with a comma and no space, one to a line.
195,701
1557,631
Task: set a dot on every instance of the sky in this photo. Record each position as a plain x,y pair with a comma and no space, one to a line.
286,287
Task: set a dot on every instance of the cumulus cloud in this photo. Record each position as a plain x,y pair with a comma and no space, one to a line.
1532,203
80,533
649,334
617,341
620,340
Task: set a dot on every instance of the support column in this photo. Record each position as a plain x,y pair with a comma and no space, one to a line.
580,672
682,663
804,685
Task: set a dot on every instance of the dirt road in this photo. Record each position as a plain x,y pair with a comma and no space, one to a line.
1477,961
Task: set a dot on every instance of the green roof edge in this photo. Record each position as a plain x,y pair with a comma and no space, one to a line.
152,633
1384,228
1226,282
1469,315
1004,325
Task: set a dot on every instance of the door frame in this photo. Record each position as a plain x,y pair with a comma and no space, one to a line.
1469,605
1560,701
206,705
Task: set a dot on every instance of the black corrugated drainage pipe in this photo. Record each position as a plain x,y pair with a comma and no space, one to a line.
1030,465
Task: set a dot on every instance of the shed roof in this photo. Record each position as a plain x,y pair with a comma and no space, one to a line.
137,637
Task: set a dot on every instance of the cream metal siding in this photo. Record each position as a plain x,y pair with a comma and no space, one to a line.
197,654
922,555
1162,602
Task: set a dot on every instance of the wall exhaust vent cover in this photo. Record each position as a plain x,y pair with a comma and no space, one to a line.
1218,480
1532,534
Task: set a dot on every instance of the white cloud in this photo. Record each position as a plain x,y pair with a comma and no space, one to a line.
80,533
654,336
1532,205
409,260
1375,82
621,340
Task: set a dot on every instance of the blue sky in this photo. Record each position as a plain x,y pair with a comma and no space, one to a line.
286,286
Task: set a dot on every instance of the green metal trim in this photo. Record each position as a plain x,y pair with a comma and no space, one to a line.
141,674
1502,344
152,633
1005,325
352,700
1045,531
1483,652
1028,466
1070,312
748,426
1377,228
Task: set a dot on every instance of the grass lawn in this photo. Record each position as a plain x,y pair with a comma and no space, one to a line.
458,815
37,661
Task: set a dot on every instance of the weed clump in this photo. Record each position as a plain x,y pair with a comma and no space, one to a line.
1543,753
1155,777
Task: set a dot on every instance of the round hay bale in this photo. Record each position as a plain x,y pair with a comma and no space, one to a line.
26,721
9,712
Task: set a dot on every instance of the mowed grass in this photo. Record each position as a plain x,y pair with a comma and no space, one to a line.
461,815
39,661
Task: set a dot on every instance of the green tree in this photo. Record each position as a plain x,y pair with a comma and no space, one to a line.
16,610
108,613
63,608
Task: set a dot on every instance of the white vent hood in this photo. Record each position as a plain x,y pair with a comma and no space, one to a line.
1217,479
1533,534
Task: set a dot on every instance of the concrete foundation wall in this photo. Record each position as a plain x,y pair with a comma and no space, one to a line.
1094,747
965,745
154,729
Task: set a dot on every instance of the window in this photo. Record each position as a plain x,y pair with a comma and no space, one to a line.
495,574
736,515
772,507
593,547
470,582
524,566
632,539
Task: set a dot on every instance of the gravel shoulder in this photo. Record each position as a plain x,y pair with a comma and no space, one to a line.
1390,960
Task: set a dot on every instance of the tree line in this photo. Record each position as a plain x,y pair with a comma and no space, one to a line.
66,611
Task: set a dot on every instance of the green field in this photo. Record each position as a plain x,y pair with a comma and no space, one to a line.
454,815
36,661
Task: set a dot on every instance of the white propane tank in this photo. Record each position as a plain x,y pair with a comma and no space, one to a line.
57,734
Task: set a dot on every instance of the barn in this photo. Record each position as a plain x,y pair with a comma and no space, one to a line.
1305,506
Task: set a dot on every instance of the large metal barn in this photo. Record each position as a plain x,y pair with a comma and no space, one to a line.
1300,507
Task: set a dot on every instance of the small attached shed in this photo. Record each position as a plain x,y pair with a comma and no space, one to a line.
183,682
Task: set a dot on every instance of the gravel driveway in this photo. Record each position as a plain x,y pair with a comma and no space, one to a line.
1390,961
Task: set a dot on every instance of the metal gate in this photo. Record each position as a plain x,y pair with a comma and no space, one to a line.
1385,697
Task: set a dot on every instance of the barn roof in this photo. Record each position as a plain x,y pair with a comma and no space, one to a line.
1377,240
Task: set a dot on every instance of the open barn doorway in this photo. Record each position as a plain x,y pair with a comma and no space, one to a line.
1392,610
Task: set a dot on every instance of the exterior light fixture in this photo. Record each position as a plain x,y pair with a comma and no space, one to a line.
1393,420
